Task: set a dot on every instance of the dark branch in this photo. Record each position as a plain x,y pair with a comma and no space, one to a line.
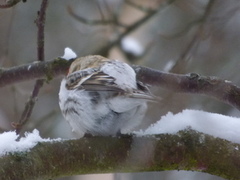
37,70
191,83
40,24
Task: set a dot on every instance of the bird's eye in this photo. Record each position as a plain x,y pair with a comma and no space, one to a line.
70,83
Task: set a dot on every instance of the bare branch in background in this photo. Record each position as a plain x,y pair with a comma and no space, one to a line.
93,22
39,83
129,29
100,10
139,7
177,68
105,49
9,3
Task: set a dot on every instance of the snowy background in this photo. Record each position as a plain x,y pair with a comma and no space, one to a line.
159,43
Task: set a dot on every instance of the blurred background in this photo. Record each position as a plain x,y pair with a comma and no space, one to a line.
181,36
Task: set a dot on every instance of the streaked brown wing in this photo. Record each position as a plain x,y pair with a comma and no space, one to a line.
93,87
76,78
143,92
143,95
100,78
100,81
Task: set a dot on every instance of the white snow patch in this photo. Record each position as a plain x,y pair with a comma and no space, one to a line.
69,54
131,45
214,124
9,143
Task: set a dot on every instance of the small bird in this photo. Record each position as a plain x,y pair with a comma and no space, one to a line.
102,97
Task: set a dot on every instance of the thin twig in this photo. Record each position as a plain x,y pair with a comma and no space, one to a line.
39,83
195,38
105,49
100,10
129,29
139,7
93,22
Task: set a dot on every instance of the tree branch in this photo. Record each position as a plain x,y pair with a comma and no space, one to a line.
36,70
40,22
214,87
222,90
187,150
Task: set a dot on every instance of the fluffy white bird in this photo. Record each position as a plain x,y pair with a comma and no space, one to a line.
102,97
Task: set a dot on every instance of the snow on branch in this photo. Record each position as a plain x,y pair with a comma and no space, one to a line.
186,150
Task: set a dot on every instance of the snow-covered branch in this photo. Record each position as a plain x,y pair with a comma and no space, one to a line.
186,150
